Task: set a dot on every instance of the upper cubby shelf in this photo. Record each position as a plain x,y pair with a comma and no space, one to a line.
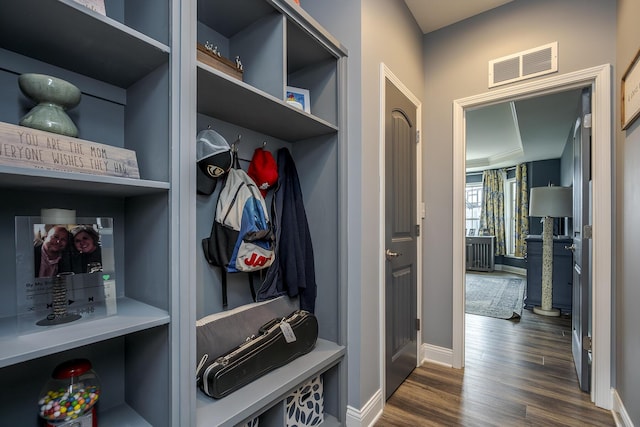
230,17
85,42
303,50
236,102
279,46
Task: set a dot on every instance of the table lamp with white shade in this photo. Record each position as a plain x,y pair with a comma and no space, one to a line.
549,203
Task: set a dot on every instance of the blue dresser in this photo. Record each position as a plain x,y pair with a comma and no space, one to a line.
562,273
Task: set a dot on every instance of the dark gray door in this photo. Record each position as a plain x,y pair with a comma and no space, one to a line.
400,238
581,301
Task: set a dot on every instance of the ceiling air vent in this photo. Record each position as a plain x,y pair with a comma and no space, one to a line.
524,65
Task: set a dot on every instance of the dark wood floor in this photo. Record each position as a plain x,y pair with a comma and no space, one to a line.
517,373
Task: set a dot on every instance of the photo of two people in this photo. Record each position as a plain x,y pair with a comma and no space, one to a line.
69,248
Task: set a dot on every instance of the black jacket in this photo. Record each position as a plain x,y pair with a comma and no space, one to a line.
293,272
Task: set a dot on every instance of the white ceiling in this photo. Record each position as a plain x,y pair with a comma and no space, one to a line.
505,134
435,14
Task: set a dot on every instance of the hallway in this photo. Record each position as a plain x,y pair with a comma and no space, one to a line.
516,374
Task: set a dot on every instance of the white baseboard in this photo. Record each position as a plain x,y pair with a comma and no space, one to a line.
511,269
368,415
372,410
435,354
619,412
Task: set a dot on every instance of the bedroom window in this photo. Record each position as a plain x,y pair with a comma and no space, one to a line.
510,215
473,199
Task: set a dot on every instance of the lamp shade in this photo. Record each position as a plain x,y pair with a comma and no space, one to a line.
556,202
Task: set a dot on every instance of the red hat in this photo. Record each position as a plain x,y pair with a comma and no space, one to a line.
263,170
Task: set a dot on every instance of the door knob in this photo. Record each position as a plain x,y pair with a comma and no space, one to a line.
571,248
390,254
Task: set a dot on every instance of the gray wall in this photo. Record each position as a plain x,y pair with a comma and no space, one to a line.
374,31
626,243
450,64
456,59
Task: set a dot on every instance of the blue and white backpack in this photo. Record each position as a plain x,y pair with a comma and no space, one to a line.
241,237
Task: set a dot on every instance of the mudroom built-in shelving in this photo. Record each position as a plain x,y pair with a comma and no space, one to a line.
279,45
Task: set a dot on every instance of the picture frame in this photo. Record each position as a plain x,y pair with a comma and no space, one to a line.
630,93
299,98
82,287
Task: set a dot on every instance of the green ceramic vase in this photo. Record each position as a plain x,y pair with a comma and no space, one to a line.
53,96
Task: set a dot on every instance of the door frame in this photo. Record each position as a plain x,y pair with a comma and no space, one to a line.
599,78
387,74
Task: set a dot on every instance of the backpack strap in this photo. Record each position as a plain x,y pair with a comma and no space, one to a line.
251,287
223,271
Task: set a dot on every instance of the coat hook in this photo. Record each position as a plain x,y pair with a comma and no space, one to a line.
234,146
264,144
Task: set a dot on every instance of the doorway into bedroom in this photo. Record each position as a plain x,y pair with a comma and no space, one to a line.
598,143
511,147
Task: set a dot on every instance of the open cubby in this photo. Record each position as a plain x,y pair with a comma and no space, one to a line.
279,46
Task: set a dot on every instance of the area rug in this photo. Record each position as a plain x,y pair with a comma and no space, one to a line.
495,296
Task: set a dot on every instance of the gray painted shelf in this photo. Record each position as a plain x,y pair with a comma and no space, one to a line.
132,316
266,391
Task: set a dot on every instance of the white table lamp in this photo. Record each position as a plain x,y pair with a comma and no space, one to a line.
549,202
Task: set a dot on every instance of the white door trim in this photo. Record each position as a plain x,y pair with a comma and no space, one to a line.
386,73
600,79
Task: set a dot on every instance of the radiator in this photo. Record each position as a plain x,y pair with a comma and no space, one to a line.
480,253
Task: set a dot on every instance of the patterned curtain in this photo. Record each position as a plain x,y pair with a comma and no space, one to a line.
522,211
492,212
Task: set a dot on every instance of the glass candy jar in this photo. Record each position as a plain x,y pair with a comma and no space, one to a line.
69,398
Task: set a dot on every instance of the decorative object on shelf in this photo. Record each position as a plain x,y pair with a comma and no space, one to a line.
53,96
95,5
33,148
298,98
58,216
305,406
630,93
549,203
64,269
60,300
69,397
210,55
